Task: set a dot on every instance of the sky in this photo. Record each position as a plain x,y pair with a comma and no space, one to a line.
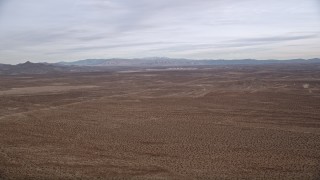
68,30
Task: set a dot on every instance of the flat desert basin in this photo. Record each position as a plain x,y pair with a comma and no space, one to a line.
42,89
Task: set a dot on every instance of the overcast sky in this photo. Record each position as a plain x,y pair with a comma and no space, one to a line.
65,30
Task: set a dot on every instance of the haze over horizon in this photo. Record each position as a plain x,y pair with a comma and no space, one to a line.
52,31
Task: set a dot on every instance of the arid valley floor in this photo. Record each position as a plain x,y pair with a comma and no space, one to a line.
219,122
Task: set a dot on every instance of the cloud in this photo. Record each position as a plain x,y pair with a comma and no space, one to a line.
77,29
111,46
276,38
238,43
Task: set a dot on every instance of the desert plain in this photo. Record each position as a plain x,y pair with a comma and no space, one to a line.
204,122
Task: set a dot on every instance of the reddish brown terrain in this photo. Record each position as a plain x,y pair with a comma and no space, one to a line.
219,122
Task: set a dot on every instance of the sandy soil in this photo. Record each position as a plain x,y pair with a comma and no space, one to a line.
41,89
228,122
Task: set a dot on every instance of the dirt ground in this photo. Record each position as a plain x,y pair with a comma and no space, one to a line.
222,122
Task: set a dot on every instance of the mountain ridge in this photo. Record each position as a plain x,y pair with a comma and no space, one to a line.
38,68
145,62
94,65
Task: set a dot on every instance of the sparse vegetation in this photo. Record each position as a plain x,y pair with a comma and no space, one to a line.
219,122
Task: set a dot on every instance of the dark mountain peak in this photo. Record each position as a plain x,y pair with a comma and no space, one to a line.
27,63
32,68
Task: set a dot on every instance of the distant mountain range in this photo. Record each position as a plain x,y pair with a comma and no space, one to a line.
154,62
90,65
37,68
